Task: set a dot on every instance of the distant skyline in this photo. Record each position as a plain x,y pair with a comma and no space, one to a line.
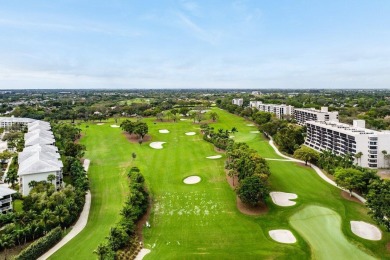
194,44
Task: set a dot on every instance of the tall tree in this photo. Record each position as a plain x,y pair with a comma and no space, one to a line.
358,157
213,115
384,152
378,200
350,179
306,154
252,190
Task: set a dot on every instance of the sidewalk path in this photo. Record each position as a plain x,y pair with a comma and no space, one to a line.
315,168
78,227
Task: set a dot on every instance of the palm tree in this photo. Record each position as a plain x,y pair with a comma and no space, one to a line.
51,178
175,117
359,156
384,152
168,115
7,241
234,130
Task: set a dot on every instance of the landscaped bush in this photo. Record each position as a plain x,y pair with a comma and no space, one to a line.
40,246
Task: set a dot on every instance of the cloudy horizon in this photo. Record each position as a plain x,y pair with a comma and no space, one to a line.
194,44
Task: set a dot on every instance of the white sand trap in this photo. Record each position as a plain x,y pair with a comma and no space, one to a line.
183,119
163,131
254,132
232,136
192,180
283,198
190,133
115,126
100,124
157,145
366,230
282,236
143,252
214,157
250,125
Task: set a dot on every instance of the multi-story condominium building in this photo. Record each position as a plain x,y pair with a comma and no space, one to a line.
6,199
281,111
238,101
7,122
301,115
355,139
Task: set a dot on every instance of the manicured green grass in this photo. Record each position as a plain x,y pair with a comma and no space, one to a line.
321,229
137,100
17,205
108,183
201,220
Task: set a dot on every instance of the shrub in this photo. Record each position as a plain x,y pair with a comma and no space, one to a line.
41,245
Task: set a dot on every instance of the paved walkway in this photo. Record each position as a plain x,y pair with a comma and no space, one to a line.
315,168
6,170
77,228
143,252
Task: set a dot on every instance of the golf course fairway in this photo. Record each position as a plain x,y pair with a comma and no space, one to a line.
321,228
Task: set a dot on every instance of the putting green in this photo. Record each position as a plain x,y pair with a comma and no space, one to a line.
321,228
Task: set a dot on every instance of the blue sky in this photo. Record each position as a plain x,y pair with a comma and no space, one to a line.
194,44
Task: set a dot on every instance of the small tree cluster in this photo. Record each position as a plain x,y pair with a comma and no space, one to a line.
138,128
252,172
220,138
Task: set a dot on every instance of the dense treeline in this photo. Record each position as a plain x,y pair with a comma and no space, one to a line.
122,241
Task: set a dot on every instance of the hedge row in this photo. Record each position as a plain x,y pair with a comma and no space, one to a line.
40,246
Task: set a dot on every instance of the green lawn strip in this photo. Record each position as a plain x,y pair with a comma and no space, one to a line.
256,141
108,188
320,227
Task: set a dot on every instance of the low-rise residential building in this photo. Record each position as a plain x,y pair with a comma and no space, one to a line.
354,139
281,111
301,115
37,167
6,199
238,101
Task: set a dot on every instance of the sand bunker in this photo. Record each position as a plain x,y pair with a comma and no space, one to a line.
283,199
157,145
192,180
254,132
115,126
183,119
232,136
214,157
163,131
282,236
250,125
100,124
366,230
190,133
